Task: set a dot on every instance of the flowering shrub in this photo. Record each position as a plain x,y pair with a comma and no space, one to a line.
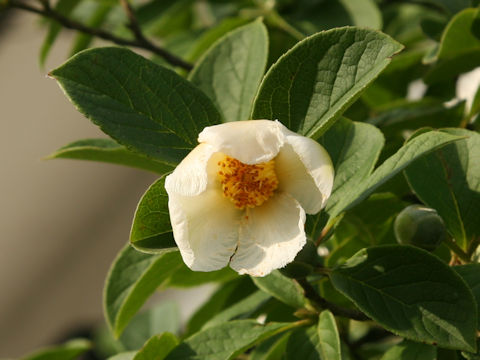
301,205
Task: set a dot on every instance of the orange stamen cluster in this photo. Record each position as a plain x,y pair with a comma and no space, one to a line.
247,185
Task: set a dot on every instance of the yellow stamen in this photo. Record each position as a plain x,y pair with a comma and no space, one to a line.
247,185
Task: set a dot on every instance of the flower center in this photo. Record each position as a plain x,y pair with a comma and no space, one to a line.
247,185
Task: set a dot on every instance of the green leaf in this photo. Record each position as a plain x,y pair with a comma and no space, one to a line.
143,106
97,14
63,7
226,341
313,83
129,355
231,70
411,151
281,288
304,344
329,340
107,150
133,277
459,49
470,273
364,13
157,347
354,148
151,229
184,277
448,181
164,317
451,6
212,35
271,349
411,293
241,309
68,351
409,350
226,295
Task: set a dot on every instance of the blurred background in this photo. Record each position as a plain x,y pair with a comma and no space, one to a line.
62,221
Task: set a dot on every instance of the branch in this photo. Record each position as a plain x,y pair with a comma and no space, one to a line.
140,41
312,294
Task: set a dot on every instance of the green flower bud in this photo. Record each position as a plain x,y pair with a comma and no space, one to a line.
420,226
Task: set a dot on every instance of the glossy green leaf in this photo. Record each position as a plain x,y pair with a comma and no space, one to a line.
63,7
328,336
107,150
459,49
68,351
409,350
411,293
231,70
313,83
411,151
143,106
281,288
151,229
448,181
239,310
225,341
133,277
157,347
470,273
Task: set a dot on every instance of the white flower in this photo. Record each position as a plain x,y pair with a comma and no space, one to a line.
241,195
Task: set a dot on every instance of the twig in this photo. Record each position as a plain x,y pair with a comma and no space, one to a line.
452,245
140,41
312,294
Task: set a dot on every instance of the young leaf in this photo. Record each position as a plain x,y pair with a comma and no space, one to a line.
151,229
143,106
133,277
230,72
68,351
281,288
225,341
411,151
313,83
411,293
470,273
157,347
107,150
329,339
448,181
409,350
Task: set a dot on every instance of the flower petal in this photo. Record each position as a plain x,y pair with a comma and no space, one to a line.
270,237
190,177
251,142
205,228
305,171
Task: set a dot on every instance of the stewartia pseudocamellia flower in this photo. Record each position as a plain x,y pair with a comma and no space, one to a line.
241,195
